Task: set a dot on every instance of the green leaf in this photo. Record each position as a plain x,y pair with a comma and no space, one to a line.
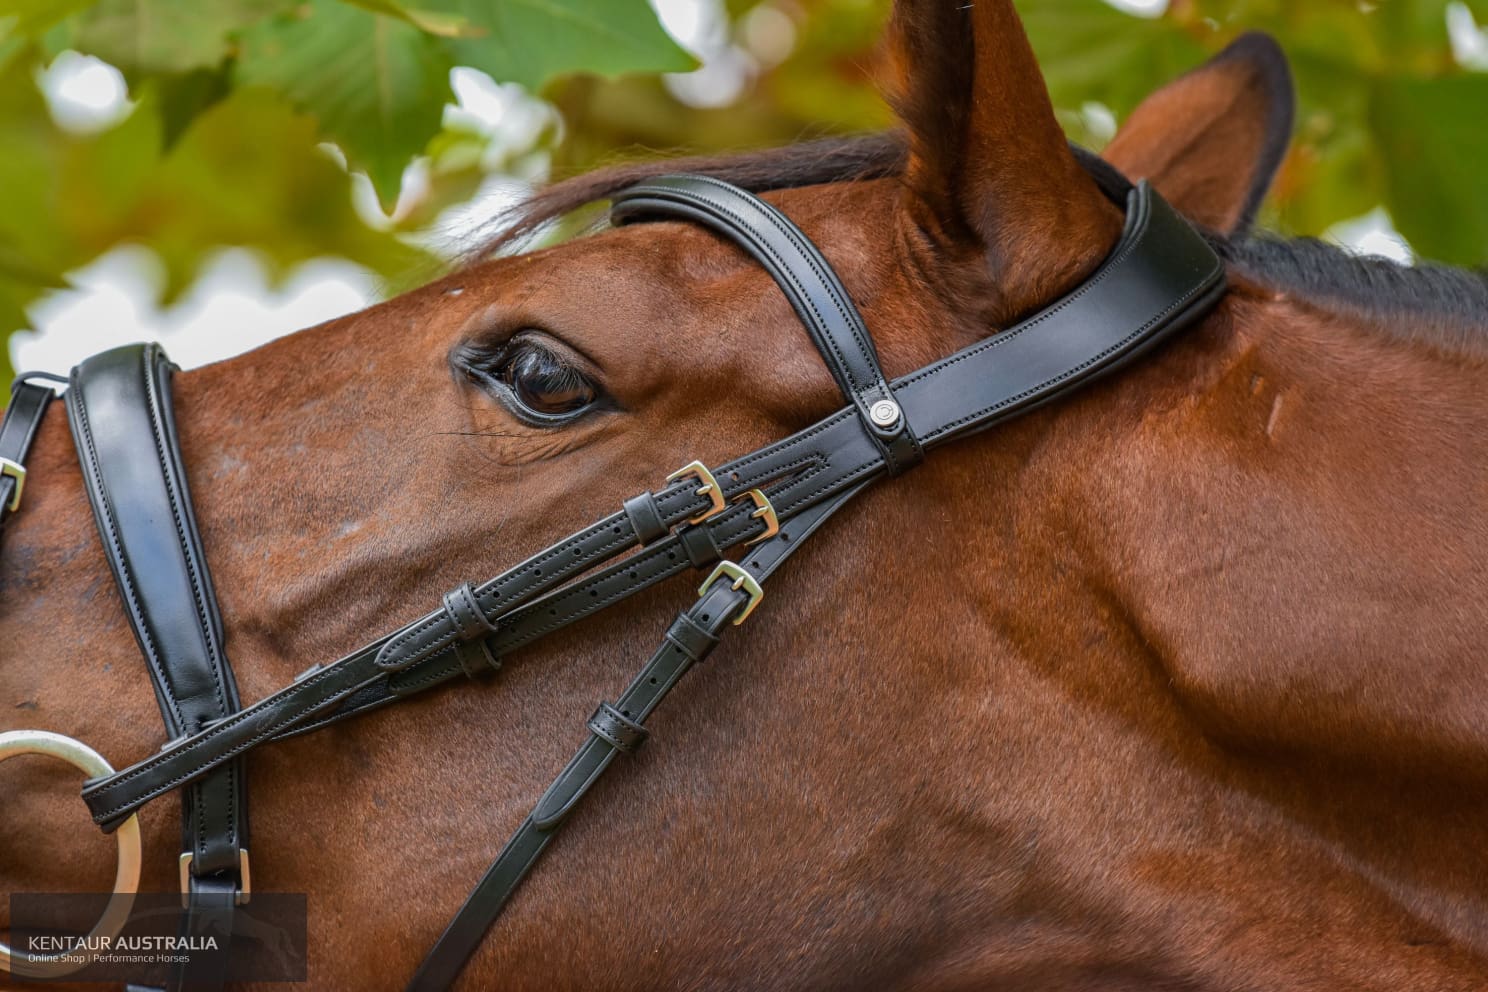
66,193
377,84
248,172
156,36
16,293
1434,145
35,247
1333,172
432,21
534,41
31,19
1090,51
184,96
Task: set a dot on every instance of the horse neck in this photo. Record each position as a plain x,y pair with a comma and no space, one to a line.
1219,603
1292,523
1229,601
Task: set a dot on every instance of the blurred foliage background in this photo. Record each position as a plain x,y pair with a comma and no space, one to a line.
310,128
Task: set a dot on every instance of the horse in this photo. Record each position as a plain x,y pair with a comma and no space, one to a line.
1174,684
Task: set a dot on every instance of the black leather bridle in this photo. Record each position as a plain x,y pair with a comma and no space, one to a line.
1161,276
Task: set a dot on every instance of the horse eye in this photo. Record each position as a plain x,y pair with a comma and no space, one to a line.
544,384
536,384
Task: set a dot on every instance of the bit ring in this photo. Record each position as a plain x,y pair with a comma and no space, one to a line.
126,877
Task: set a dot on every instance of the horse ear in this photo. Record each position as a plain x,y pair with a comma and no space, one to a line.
1212,140
989,168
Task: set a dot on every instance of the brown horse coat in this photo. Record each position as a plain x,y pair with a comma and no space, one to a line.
1175,685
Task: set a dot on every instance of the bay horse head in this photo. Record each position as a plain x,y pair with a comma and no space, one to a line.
1174,684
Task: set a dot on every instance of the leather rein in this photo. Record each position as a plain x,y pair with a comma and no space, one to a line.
1160,278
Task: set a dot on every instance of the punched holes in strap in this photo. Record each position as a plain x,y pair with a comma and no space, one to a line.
471,631
617,729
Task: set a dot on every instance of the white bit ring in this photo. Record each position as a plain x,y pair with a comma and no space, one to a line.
126,878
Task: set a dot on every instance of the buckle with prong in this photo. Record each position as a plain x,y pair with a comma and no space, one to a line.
742,580
763,510
16,471
709,487
245,883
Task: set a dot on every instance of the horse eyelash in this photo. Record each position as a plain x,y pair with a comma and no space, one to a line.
480,363
488,355
470,357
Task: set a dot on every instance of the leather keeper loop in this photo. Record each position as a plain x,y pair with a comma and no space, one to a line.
645,518
690,638
697,542
462,622
617,729
903,451
475,657
465,614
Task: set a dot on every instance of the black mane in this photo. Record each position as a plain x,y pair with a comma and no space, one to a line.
1447,306
1444,306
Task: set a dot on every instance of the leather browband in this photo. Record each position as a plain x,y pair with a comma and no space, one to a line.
1161,276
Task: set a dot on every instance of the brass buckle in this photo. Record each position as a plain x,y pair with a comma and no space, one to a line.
742,580
16,471
709,488
763,510
245,879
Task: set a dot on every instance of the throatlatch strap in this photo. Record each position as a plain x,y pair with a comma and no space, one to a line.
120,408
